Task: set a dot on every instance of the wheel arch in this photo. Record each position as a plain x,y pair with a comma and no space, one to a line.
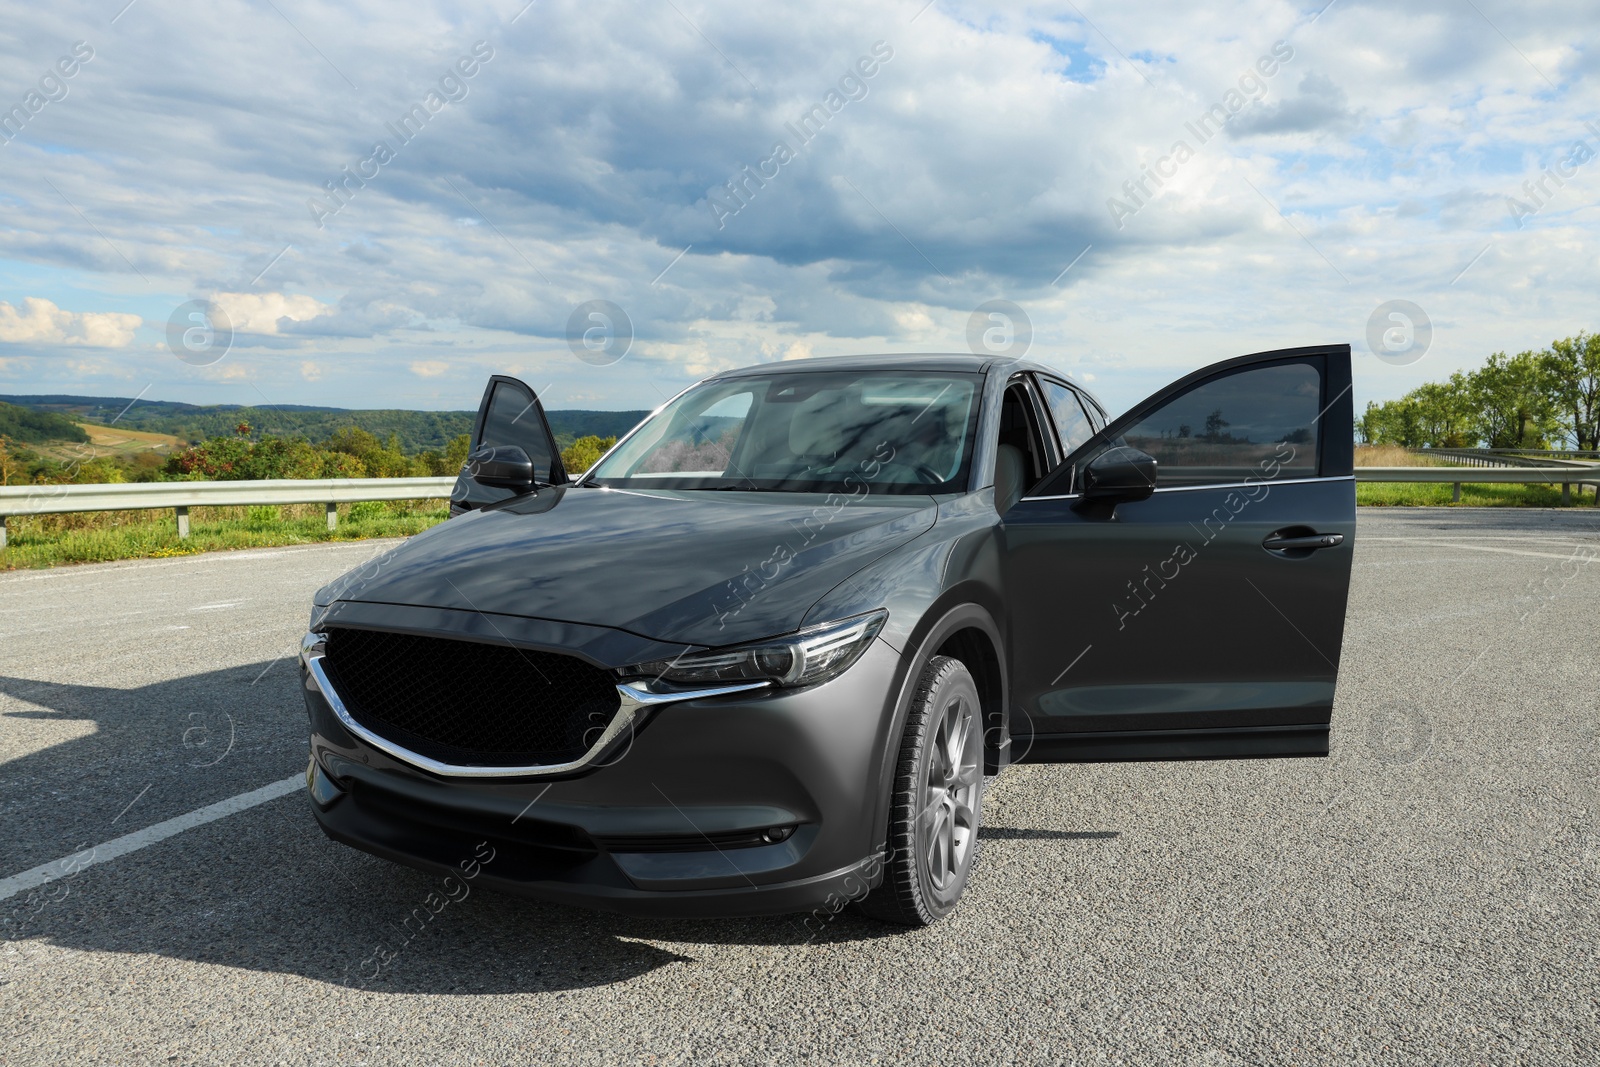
966,631
978,649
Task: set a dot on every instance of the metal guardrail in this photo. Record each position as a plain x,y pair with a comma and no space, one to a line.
1552,453
1566,476
181,496
1504,457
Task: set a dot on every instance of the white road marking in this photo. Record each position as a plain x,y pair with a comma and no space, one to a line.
1471,561
150,835
1459,537
1488,548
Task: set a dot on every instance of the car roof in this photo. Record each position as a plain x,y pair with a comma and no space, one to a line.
936,361
946,361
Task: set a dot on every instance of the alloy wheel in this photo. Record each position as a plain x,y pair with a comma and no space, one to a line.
947,823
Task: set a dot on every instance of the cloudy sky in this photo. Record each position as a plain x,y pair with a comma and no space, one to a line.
387,202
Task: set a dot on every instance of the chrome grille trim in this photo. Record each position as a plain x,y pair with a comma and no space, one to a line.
633,700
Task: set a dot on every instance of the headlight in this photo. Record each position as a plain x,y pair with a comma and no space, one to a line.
813,655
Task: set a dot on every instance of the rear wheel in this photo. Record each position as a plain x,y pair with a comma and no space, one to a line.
936,800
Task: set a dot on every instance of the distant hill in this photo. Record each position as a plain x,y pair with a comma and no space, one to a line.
193,423
578,422
33,427
105,408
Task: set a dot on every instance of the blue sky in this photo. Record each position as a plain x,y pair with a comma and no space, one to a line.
586,155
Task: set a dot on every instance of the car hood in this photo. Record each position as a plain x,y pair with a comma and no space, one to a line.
700,568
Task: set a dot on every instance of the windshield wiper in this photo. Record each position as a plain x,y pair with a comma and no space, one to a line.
746,489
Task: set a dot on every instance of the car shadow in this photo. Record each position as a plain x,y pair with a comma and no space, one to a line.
264,889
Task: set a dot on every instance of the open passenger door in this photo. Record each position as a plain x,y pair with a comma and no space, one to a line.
513,449
1198,615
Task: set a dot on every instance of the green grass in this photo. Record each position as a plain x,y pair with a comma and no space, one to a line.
1437,495
48,540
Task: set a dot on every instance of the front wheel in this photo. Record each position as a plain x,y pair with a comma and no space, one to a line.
934,807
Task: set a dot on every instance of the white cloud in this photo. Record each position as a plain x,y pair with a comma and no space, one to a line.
429,368
265,313
40,322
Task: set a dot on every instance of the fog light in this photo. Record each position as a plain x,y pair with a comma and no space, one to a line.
777,834
320,786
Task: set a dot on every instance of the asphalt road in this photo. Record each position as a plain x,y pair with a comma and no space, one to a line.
1427,895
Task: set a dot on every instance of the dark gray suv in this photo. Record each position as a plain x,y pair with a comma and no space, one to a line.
761,657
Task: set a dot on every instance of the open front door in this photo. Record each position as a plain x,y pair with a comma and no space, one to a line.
510,420
1205,620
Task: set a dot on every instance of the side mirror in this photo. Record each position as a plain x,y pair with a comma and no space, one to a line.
1118,475
501,466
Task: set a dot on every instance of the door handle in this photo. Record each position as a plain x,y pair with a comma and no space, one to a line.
1309,542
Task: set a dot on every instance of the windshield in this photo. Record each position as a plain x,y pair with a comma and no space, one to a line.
807,431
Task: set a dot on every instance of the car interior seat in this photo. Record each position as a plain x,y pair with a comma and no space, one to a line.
1010,477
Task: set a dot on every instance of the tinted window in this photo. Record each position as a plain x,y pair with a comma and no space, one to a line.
514,418
1230,428
807,431
1071,421
1097,414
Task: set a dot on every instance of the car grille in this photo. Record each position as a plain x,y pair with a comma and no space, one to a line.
470,703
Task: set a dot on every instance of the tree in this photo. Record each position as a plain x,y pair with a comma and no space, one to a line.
1215,424
352,440
97,470
450,461
1394,422
585,452
1511,404
1572,379
455,453
340,465
26,426
378,460
1444,413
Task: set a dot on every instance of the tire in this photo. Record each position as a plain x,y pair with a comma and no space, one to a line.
939,776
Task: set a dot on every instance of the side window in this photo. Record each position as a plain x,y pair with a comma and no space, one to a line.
1020,429
1229,428
1072,422
513,417
1097,414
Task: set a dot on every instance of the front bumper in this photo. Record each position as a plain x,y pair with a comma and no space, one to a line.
766,801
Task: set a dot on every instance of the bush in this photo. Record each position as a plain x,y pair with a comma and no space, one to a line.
585,452
262,517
